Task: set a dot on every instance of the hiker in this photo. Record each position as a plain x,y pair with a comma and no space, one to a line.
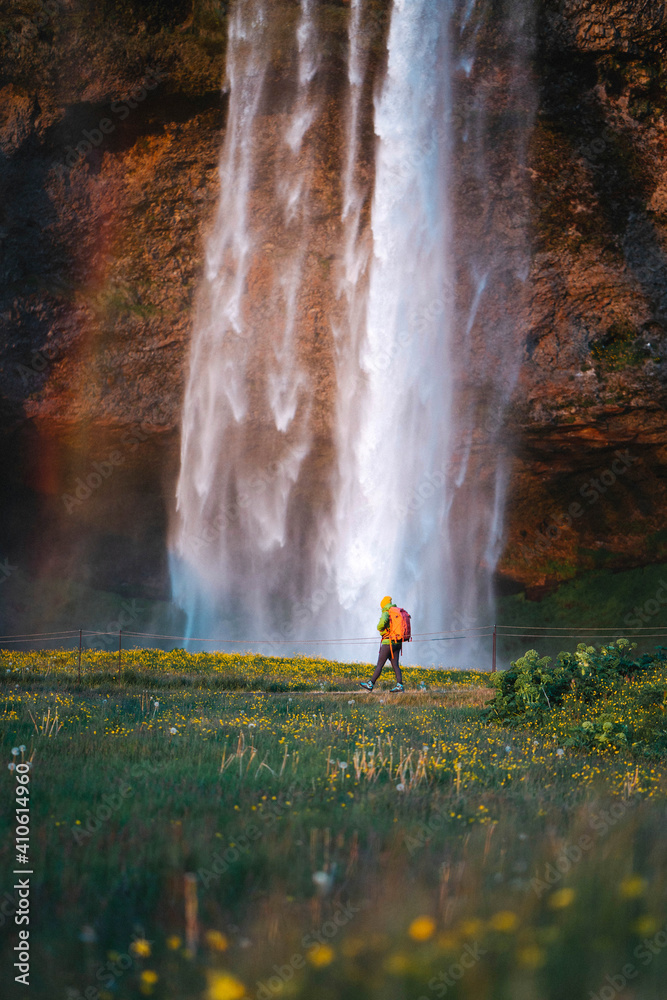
391,627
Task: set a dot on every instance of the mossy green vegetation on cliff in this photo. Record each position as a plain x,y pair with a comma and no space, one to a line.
622,602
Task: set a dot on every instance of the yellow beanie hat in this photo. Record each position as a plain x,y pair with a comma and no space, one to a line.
385,601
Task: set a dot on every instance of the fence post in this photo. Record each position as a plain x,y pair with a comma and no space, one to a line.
493,659
80,643
120,648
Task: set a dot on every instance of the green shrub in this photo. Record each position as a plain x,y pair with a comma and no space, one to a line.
531,687
601,733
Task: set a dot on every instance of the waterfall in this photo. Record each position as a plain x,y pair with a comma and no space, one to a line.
216,395
352,288
284,382
402,409
245,424
358,333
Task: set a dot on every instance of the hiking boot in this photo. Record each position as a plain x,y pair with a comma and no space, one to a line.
399,687
367,684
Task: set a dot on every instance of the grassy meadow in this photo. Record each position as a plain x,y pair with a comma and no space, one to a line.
229,827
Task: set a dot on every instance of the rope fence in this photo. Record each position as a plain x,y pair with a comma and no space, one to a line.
493,632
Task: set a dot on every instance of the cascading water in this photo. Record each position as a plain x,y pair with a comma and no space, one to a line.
402,411
245,415
343,414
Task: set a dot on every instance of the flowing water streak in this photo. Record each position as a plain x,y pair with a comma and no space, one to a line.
221,498
403,424
348,328
216,390
286,380
425,494
245,423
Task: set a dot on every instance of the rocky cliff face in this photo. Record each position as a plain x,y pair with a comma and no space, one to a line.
110,125
111,120
589,416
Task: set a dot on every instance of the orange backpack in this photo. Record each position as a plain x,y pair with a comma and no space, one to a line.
396,630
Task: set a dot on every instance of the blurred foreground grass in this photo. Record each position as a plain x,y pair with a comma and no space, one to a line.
195,842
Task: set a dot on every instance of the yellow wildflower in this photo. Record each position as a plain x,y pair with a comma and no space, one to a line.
646,925
173,942
141,947
561,898
504,921
224,986
320,955
632,887
421,929
397,964
216,940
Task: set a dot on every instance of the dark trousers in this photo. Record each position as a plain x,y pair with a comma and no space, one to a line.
385,654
